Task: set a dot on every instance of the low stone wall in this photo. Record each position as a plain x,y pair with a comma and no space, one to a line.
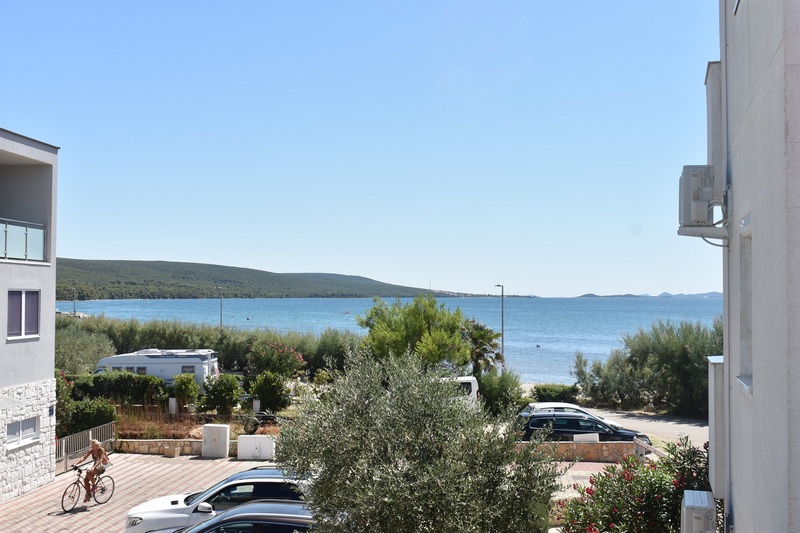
594,452
157,446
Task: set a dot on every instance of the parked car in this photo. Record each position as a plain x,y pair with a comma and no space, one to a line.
564,426
181,510
564,407
258,516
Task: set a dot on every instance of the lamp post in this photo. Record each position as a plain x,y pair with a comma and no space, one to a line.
73,301
220,309
502,318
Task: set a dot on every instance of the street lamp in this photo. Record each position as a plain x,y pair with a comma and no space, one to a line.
73,301
502,319
220,309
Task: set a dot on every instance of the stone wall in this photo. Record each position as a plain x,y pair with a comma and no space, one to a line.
594,452
157,446
26,467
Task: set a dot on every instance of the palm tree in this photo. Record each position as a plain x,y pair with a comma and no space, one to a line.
485,351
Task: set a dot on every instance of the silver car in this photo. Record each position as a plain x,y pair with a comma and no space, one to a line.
182,510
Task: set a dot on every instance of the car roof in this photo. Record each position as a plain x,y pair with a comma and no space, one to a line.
260,472
558,414
293,512
274,508
547,405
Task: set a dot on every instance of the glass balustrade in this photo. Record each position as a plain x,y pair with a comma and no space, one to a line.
22,240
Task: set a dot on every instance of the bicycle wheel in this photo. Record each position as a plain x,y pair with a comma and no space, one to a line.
71,497
104,489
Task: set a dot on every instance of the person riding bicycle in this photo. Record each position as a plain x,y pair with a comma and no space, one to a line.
100,458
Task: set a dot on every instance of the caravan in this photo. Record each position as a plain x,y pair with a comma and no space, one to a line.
165,364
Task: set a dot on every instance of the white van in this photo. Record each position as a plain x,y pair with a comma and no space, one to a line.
165,364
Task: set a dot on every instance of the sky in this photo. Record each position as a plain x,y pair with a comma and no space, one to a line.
450,145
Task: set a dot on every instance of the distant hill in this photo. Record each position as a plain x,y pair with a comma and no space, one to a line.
111,279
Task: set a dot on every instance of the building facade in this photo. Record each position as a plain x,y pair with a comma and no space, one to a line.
753,96
28,170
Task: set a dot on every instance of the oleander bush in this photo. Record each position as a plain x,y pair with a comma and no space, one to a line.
638,497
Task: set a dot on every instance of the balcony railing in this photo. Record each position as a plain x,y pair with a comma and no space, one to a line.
22,240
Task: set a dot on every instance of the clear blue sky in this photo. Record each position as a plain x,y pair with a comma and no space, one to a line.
445,144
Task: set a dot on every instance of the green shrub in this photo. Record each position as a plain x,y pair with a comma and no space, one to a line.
91,413
222,394
665,366
271,390
120,387
556,393
332,348
499,390
186,389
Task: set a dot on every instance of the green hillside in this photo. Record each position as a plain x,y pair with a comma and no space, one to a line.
106,279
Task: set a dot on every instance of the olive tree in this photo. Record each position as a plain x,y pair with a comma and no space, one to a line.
394,446
77,351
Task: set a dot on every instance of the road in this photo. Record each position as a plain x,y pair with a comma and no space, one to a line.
668,428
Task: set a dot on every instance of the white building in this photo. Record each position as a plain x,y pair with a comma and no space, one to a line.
27,313
753,96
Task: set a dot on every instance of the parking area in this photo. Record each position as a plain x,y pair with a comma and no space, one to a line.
139,478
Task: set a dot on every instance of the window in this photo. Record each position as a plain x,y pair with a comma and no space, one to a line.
129,369
232,496
141,370
187,369
23,313
22,432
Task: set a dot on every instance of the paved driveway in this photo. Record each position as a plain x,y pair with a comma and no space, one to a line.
138,478
668,428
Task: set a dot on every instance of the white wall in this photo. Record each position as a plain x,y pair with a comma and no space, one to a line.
760,97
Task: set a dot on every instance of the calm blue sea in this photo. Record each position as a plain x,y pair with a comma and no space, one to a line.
541,334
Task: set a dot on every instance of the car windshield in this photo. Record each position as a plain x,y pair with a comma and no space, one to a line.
198,496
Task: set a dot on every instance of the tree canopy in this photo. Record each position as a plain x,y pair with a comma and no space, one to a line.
390,447
422,326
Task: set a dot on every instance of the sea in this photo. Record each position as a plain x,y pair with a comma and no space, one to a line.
541,335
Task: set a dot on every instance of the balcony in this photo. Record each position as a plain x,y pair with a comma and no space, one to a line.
24,241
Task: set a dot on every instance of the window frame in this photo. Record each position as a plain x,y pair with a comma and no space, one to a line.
21,439
24,314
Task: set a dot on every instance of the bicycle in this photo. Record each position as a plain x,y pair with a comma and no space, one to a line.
102,492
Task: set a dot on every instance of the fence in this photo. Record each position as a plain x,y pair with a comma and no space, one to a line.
70,447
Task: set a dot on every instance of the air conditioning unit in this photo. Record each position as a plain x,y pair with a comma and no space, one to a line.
696,195
698,512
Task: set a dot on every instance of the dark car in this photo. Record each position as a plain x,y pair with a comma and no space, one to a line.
259,516
565,426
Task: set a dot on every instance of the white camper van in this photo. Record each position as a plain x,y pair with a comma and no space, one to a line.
165,364
470,386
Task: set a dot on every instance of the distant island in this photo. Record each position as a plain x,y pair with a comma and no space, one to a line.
100,279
